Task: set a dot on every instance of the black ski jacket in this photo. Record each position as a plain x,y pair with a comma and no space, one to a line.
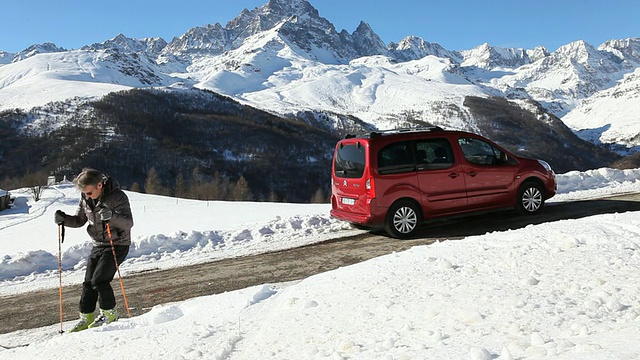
121,222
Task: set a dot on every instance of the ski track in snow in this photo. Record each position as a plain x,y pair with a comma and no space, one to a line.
36,214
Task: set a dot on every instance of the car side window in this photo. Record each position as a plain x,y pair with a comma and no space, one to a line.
481,153
396,158
434,154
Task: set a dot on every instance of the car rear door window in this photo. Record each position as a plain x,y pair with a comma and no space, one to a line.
434,154
396,158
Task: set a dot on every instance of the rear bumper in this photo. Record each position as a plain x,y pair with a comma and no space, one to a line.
374,218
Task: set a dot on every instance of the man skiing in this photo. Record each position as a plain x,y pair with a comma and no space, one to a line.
101,202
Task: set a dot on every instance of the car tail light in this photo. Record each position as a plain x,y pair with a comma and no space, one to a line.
371,188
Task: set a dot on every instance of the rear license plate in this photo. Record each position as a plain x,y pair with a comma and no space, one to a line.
348,201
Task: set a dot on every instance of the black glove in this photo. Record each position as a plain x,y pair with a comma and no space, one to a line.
59,216
105,213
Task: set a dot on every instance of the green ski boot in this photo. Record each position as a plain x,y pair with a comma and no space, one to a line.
83,323
105,317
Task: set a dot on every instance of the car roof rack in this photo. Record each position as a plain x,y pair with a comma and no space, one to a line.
379,133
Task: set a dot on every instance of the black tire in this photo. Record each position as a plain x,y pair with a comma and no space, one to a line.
530,198
403,219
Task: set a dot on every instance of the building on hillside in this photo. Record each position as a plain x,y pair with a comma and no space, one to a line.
5,199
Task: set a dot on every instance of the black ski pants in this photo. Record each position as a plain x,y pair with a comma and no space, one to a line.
97,280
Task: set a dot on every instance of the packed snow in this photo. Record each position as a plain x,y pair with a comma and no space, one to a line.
565,290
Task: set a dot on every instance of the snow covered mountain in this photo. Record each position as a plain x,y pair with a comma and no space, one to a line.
285,58
611,115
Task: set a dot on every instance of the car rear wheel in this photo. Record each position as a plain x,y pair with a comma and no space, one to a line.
403,219
530,198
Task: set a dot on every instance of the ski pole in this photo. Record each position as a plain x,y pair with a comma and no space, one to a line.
113,251
60,241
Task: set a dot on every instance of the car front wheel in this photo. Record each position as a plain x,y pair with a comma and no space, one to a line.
530,198
403,219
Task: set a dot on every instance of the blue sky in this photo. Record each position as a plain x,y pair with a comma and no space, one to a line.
456,25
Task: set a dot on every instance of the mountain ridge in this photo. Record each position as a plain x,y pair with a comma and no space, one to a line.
286,58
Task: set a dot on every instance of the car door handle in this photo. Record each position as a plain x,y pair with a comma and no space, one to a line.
453,175
473,174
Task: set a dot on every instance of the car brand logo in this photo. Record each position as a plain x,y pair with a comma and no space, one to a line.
344,183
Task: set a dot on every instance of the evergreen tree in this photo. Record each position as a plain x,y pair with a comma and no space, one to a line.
195,188
153,185
318,197
135,187
273,197
181,187
241,191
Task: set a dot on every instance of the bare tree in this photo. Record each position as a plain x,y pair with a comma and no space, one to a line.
36,183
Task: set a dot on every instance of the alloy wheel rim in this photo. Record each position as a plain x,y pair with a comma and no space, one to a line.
532,199
405,220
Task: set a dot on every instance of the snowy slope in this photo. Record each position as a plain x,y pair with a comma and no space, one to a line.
59,76
55,77
563,290
611,116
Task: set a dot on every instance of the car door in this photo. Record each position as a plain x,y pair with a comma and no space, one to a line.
489,174
440,177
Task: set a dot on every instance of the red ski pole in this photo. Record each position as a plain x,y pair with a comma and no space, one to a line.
60,240
113,251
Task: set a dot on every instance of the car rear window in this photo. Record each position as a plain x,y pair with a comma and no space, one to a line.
350,161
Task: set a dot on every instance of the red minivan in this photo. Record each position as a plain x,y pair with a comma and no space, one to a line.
397,179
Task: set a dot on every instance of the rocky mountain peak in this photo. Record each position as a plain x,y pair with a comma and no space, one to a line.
290,7
489,57
210,39
625,49
150,46
5,57
415,47
366,42
263,18
577,50
539,52
215,39
297,21
37,49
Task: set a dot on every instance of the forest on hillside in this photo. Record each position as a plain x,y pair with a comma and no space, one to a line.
165,141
